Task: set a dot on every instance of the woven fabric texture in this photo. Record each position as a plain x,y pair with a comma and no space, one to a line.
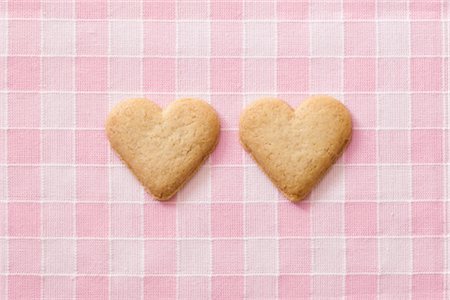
75,224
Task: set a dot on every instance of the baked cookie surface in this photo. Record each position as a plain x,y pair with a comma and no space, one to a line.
163,148
295,148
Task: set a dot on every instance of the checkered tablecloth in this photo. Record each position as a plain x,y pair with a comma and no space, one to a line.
74,223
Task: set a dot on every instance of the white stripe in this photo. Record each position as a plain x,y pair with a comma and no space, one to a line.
222,129
142,191
277,288
6,155
226,20
74,207
255,93
377,151
217,275
343,99
230,56
225,166
108,80
248,238
153,202
411,257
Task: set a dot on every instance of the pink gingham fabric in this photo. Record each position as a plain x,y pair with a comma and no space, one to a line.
75,224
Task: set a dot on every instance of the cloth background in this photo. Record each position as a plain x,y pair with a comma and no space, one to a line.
74,223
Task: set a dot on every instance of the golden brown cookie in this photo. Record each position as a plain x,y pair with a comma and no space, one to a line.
163,148
295,147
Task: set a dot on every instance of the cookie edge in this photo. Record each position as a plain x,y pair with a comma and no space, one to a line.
297,197
192,174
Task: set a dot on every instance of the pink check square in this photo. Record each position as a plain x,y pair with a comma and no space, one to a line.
427,182
227,256
24,287
57,286
426,146
24,9
356,285
427,218
125,74
294,219
57,73
427,286
293,286
23,73
193,220
394,285
92,287
159,220
362,255
293,39
163,287
359,74
394,219
24,219
122,10
160,257
91,74
92,147
359,10
361,183
295,256
425,10
24,146
226,75
24,183
288,9
332,212
227,287
164,79
92,184
361,219
428,255
58,219
92,10
234,178
90,256
261,287
427,111
92,220
192,10
226,219
24,37
426,74
226,10
57,146
159,38
226,38
228,151
393,74
201,290
292,74
362,149
360,38
92,38
160,10
426,38
127,220
126,287
86,105
24,256
260,219
23,109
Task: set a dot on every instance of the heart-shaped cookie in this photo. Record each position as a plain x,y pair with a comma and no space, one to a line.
295,147
163,148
